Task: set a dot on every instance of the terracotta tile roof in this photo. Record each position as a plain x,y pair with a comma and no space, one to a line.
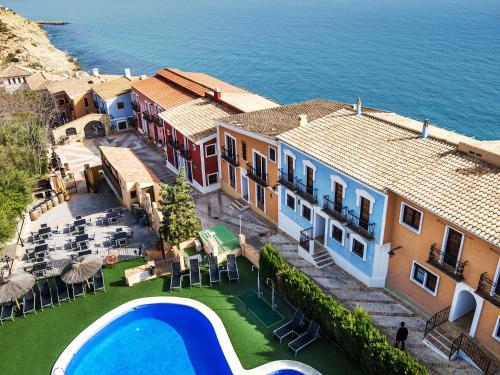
194,119
173,76
128,165
15,71
165,94
112,89
204,80
274,121
36,80
431,172
247,102
74,86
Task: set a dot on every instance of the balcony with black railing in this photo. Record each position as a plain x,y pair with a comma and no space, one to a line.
488,289
257,175
136,107
155,119
306,236
334,209
173,142
309,193
185,153
360,226
447,263
229,156
287,180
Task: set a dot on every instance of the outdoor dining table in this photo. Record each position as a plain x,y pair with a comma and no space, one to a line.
43,247
79,223
45,232
120,238
81,238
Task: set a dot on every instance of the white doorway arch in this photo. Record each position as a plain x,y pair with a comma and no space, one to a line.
465,301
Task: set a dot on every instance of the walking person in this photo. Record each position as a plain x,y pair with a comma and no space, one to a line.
401,336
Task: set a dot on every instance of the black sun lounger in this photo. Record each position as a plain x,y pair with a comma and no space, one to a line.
62,290
7,312
45,294
311,335
232,268
98,281
176,279
29,303
194,272
289,327
78,290
213,267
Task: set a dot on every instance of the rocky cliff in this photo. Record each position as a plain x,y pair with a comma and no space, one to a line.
25,43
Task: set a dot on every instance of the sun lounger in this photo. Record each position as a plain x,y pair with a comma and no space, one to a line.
45,294
29,303
213,268
78,290
290,327
194,271
232,268
7,312
98,281
311,335
176,279
62,290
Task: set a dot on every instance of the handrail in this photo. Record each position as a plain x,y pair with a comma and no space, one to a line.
256,175
287,179
331,207
173,142
437,319
446,263
472,350
230,157
307,192
488,289
363,227
306,235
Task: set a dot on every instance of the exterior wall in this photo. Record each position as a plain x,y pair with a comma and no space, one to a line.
487,324
79,107
372,269
11,84
63,107
111,107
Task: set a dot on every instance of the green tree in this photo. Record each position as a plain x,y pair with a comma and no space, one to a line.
180,221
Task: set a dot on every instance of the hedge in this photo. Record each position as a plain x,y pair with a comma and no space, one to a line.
352,330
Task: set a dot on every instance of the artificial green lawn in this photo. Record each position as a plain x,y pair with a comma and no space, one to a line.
31,345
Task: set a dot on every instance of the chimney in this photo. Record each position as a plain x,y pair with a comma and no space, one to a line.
127,73
358,107
143,77
217,94
95,72
301,120
425,129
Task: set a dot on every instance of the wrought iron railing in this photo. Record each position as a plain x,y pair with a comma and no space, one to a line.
472,350
446,263
173,142
437,319
147,116
155,119
257,175
185,153
488,289
136,107
308,192
306,236
229,156
361,226
334,209
287,180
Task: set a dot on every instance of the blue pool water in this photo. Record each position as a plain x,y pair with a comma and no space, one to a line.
421,58
153,339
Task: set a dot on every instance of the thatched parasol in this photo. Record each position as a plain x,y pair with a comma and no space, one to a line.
15,286
81,269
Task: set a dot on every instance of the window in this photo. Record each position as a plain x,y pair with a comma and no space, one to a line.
133,194
306,212
424,278
338,234
290,201
272,154
260,198
232,176
410,218
120,105
213,178
60,102
122,125
244,150
210,150
358,248
85,102
496,331
339,196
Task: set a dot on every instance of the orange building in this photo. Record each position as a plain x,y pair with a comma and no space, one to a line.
443,225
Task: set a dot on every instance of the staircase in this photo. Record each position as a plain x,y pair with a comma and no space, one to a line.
440,340
239,205
321,256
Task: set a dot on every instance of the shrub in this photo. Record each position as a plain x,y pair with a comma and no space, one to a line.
352,330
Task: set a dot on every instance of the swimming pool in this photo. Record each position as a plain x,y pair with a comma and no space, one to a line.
160,335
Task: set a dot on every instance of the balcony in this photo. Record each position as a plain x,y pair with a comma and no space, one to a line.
155,119
185,153
136,107
488,289
306,236
309,193
446,263
360,226
335,210
230,157
257,176
148,117
287,180
173,142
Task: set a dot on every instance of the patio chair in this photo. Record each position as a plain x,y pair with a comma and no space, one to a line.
194,272
232,268
7,312
45,294
80,230
78,290
109,210
289,327
85,252
311,335
62,290
176,279
29,303
98,281
213,268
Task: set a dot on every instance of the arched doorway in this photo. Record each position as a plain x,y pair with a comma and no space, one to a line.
464,311
70,131
94,129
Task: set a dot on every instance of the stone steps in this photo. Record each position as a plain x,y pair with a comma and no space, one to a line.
239,205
